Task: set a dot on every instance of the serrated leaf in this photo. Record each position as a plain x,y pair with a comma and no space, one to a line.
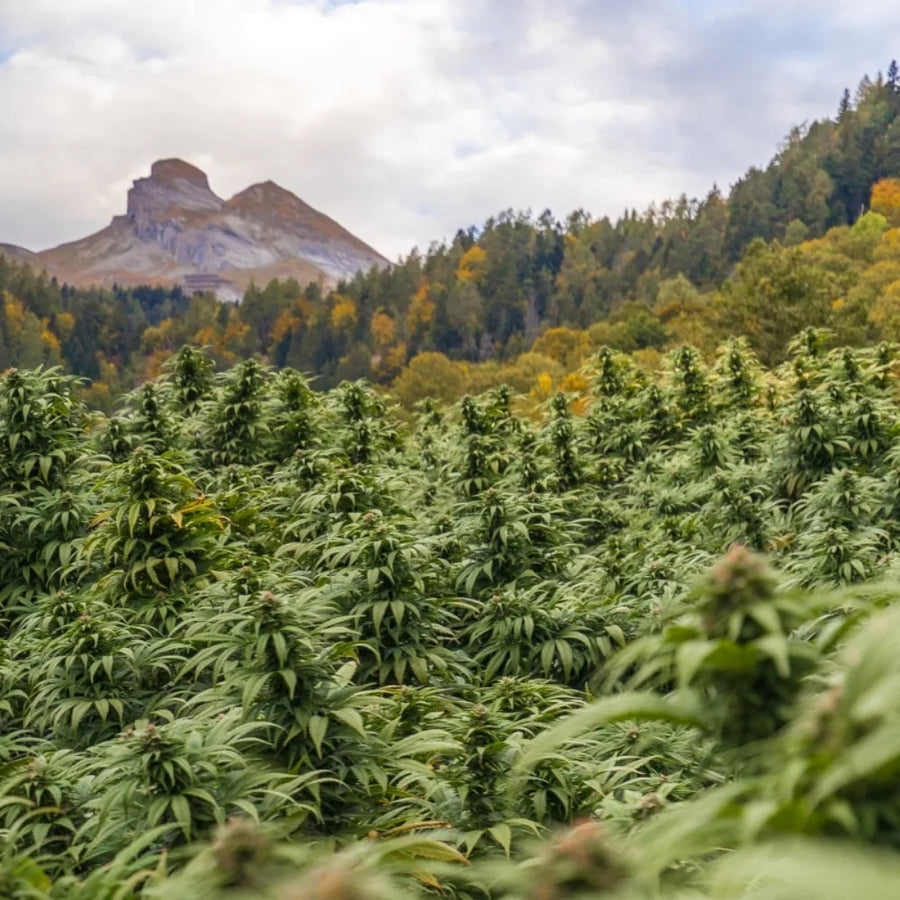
318,727
502,834
350,717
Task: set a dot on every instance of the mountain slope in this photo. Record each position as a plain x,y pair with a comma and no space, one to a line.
20,254
175,226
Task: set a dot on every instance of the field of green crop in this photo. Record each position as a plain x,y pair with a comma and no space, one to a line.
262,642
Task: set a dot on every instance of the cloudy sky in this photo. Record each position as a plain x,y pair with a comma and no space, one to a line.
406,119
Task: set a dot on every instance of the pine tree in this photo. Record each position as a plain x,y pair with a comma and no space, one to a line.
845,107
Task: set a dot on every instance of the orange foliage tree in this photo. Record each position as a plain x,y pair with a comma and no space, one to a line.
886,199
286,322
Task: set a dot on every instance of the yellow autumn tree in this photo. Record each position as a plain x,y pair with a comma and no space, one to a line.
51,345
343,313
205,336
526,368
109,374
886,199
889,246
65,325
25,336
686,314
471,264
98,396
421,309
382,329
230,344
14,313
430,375
153,362
164,336
201,315
543,389
564,345
285,323
390,363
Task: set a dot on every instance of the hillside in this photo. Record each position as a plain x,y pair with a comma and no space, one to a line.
174,225
811,239
20,254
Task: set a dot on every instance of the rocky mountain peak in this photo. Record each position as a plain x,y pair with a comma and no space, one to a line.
177,230
173,184
263,193
171,170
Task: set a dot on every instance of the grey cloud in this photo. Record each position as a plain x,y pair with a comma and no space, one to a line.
406,119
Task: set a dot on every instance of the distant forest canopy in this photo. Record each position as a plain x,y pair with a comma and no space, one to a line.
812,239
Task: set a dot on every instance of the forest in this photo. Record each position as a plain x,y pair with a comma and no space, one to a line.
637,641
813,234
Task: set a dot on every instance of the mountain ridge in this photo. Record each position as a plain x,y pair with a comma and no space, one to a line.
176,226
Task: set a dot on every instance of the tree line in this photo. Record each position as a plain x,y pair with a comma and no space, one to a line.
681,270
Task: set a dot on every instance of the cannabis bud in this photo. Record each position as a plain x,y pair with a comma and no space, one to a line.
739,580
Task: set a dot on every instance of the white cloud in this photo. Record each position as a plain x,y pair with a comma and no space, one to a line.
406,119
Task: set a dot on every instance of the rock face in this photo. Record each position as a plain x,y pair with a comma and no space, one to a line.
174,226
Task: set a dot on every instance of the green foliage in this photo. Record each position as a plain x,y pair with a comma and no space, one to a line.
234,421
278,644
